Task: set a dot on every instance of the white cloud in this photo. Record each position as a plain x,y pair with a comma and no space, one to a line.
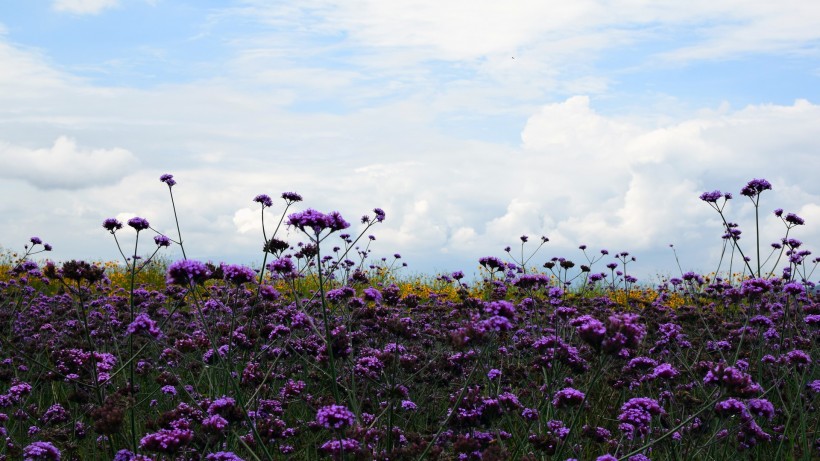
65,166
467,30
83,6
578,175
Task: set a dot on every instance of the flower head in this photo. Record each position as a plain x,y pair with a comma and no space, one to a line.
138,223
168,179
755,187
112,225
318,221
167,440
223,456
144,323
711,197
568,397
291,197
41,451
335,417
238,274
187,271
265,200
794,220
162,241
379,214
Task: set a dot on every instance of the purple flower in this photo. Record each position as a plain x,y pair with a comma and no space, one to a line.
237,274
317,221
664,371
112,225
265,200
291,197
796,357
761,407
144,323
36,240
335,417
222,406
187,271
755,187
138,223
408,405
568,397
530,414
55,414
711,197
223,456
730,407
636,415
494,373
795,220
589,329
169,390
731,378
168,179
215,423
41,451
793,288
166,440
162,241
491,263
500,308
283,266
372,294
379,214
128,455
337,447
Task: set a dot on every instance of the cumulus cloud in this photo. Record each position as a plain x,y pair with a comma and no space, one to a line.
83,6
65,165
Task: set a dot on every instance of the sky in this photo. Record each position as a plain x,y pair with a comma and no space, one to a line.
470,122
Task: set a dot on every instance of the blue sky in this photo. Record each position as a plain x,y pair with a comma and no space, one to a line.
469,122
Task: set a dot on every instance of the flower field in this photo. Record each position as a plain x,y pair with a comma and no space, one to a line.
323,353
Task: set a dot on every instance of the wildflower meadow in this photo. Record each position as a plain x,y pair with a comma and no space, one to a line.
325,352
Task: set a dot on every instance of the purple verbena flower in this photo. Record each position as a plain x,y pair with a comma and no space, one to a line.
568,397
167,440
237,274
112,225
187,271
144,323
264,199
317,221
795,220
162,241
335,417
168,179
711,197
291,197
138,223
41,451
336,447
223,456
755,187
